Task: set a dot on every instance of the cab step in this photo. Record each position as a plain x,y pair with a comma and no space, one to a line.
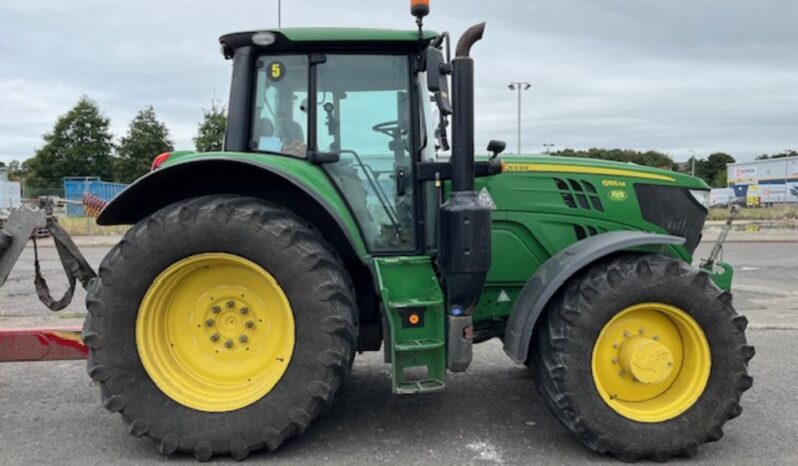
415,333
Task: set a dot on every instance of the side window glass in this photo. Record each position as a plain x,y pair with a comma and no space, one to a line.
280,123
364,115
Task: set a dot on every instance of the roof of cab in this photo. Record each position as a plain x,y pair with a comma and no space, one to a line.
320,35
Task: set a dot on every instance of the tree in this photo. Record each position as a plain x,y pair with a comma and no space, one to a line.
210,133
650,158
17,171
714,169
780,155
80,144
146,137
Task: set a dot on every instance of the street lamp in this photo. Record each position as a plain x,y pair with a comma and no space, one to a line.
519,86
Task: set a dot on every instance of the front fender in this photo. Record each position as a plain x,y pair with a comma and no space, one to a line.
294,183
539,289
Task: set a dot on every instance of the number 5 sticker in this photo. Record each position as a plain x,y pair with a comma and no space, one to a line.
276,71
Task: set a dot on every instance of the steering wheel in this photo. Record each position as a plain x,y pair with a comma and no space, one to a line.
388,128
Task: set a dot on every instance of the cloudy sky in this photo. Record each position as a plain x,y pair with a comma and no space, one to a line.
675,76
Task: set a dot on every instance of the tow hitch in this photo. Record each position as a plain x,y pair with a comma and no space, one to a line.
42,344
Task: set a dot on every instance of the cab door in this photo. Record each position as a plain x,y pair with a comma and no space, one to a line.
363,113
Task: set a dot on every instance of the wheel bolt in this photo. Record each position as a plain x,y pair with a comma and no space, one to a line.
615,361
228,344
230,303
216,309
642,330
655,337
244,311
622,373
215,337
242,339
209,322
626,333
249,324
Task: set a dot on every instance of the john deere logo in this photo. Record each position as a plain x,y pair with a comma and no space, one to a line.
618,195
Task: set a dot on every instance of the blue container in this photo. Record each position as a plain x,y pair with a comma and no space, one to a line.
75,187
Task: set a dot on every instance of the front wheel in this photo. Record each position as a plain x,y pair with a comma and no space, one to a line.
220,325
641,357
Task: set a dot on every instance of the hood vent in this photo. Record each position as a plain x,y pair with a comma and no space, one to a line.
579,194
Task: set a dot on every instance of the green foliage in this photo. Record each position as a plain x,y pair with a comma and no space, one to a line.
650,158
210,133
146,137
79,145
780,155
712,169
17,171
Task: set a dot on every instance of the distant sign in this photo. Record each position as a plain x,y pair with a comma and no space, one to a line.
742,173
752,196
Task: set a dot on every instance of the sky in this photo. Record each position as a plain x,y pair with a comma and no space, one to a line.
675,76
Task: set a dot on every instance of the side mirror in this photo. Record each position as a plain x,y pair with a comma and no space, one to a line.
496,147
437,83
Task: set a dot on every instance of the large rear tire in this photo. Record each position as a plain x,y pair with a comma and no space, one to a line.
642,356
220,325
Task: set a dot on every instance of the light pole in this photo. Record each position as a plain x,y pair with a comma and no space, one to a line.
279,13
548,147
519,86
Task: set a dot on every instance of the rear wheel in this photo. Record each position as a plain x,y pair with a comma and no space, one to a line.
220,325
667,358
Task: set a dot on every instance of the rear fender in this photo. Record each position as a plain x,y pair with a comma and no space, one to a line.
551,276
292,183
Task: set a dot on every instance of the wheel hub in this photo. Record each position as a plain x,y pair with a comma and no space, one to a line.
651,362
647,360
215,332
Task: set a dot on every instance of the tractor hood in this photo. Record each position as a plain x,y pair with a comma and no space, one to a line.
570,199
553,164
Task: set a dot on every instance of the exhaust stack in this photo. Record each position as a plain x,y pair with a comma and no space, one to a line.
465,223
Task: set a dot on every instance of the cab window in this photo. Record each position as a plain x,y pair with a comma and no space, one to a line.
363,114
280,122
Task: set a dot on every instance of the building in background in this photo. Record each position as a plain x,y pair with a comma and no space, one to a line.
771,181
10,192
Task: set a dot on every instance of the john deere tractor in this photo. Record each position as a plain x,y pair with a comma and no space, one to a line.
229,315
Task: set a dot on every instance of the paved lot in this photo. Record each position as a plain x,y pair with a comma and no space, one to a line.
50,412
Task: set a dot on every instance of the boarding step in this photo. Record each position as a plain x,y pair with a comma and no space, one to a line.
420,345
415,333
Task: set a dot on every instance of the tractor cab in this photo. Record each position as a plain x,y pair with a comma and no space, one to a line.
358,105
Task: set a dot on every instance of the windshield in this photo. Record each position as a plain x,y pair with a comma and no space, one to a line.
280,122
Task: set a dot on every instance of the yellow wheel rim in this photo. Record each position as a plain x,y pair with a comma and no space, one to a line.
215,332
651,362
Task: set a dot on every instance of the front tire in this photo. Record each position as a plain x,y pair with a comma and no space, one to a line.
220,325
642,356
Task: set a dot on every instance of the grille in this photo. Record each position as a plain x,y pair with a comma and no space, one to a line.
579,194
585,231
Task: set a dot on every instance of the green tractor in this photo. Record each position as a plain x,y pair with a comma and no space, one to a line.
229,315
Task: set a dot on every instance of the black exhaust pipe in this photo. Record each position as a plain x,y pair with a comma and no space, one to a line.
465,224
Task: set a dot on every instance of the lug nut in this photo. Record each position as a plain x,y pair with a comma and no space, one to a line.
622,373
228,344
615,361
626,333
242,339
215,337
642,330
230,303
655,337
249,324
244,311
209,322
216,309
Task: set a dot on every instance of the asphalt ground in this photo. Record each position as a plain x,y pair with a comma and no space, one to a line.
50,412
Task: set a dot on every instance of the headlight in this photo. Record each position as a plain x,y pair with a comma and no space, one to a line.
701,196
